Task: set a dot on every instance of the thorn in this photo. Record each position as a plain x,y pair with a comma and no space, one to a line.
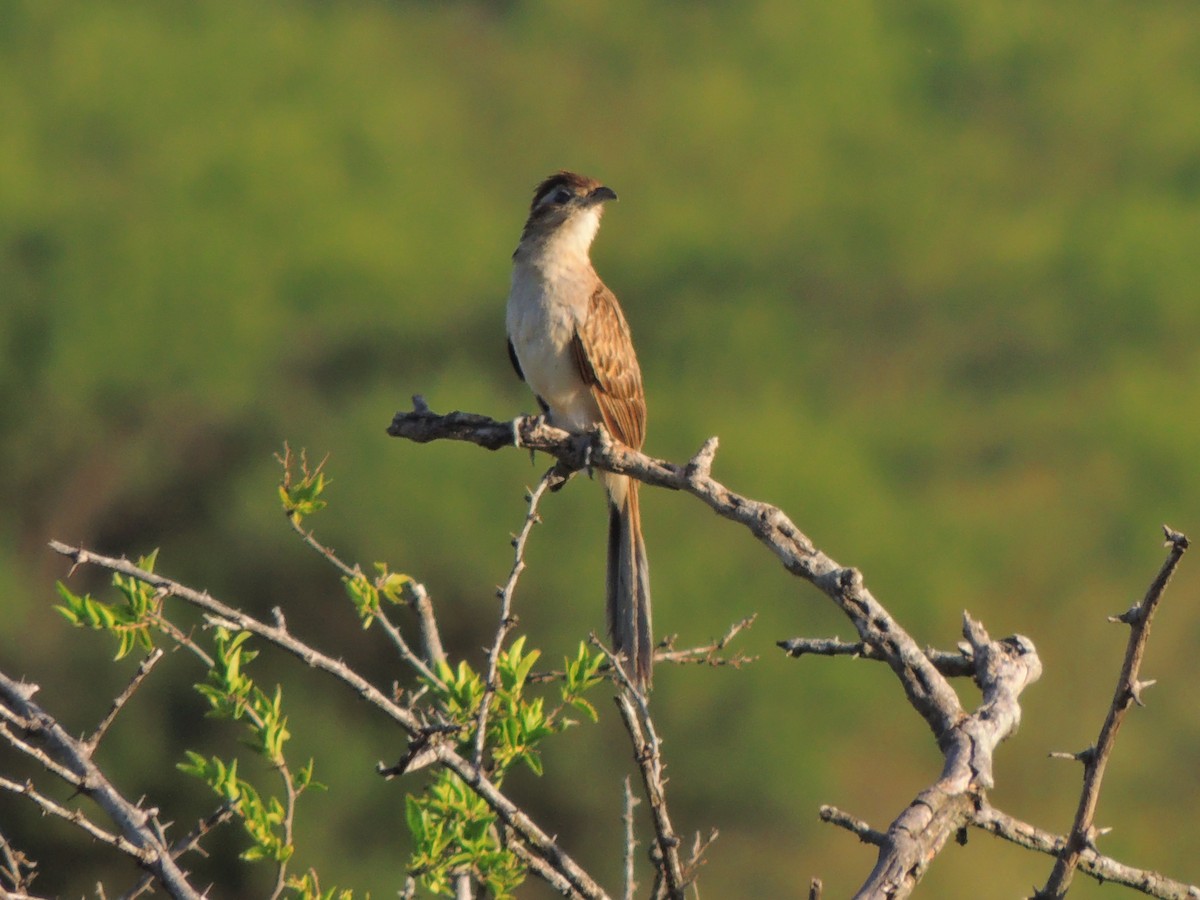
419,404
1085,756
1135,690
1131,616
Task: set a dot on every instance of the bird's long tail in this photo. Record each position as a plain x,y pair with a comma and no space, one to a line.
629,583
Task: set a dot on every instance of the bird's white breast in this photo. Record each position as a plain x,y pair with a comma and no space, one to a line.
545,305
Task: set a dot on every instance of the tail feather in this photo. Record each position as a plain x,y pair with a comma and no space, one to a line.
629,586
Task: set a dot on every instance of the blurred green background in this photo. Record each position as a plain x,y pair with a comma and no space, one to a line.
929,270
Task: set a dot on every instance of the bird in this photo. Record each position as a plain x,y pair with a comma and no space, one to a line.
569,341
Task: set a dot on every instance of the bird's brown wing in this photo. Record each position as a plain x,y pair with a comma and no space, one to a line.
604,353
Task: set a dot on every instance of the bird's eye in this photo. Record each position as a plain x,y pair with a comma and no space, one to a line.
562,195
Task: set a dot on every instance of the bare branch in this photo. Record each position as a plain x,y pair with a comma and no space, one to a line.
1091,862
709,654
18,870
543,870
188,842
855,826
139,836
630,839
953,665
507,620
138,677
647,752
926,689
967,741
1003,670
1128,691
422,608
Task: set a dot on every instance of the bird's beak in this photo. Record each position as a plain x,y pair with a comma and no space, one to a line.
600,194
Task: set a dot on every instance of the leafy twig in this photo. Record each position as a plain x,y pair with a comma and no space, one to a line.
509,813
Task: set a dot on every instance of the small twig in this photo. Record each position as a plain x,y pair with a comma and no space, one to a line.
708,654
665,652
47,762
635,713
1091,863
951,664
1128,691
544,870
507,621
420,605
630,839
188,842
699,848
18,870
814,889
864,832
134,683
422,608
74,816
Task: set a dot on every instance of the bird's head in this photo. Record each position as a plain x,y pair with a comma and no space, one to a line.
566,207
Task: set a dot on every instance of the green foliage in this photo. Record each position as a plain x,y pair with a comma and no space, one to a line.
365,594
130,621
308,887
232,694
454,831
262,819
301,495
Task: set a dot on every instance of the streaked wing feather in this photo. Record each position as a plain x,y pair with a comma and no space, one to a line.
607,361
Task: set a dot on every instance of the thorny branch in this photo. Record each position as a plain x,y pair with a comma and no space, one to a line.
630,839
140,834
510,814
1129,691
507,620
16,870
647,753
121,699
1001,668
1091,862
928,692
